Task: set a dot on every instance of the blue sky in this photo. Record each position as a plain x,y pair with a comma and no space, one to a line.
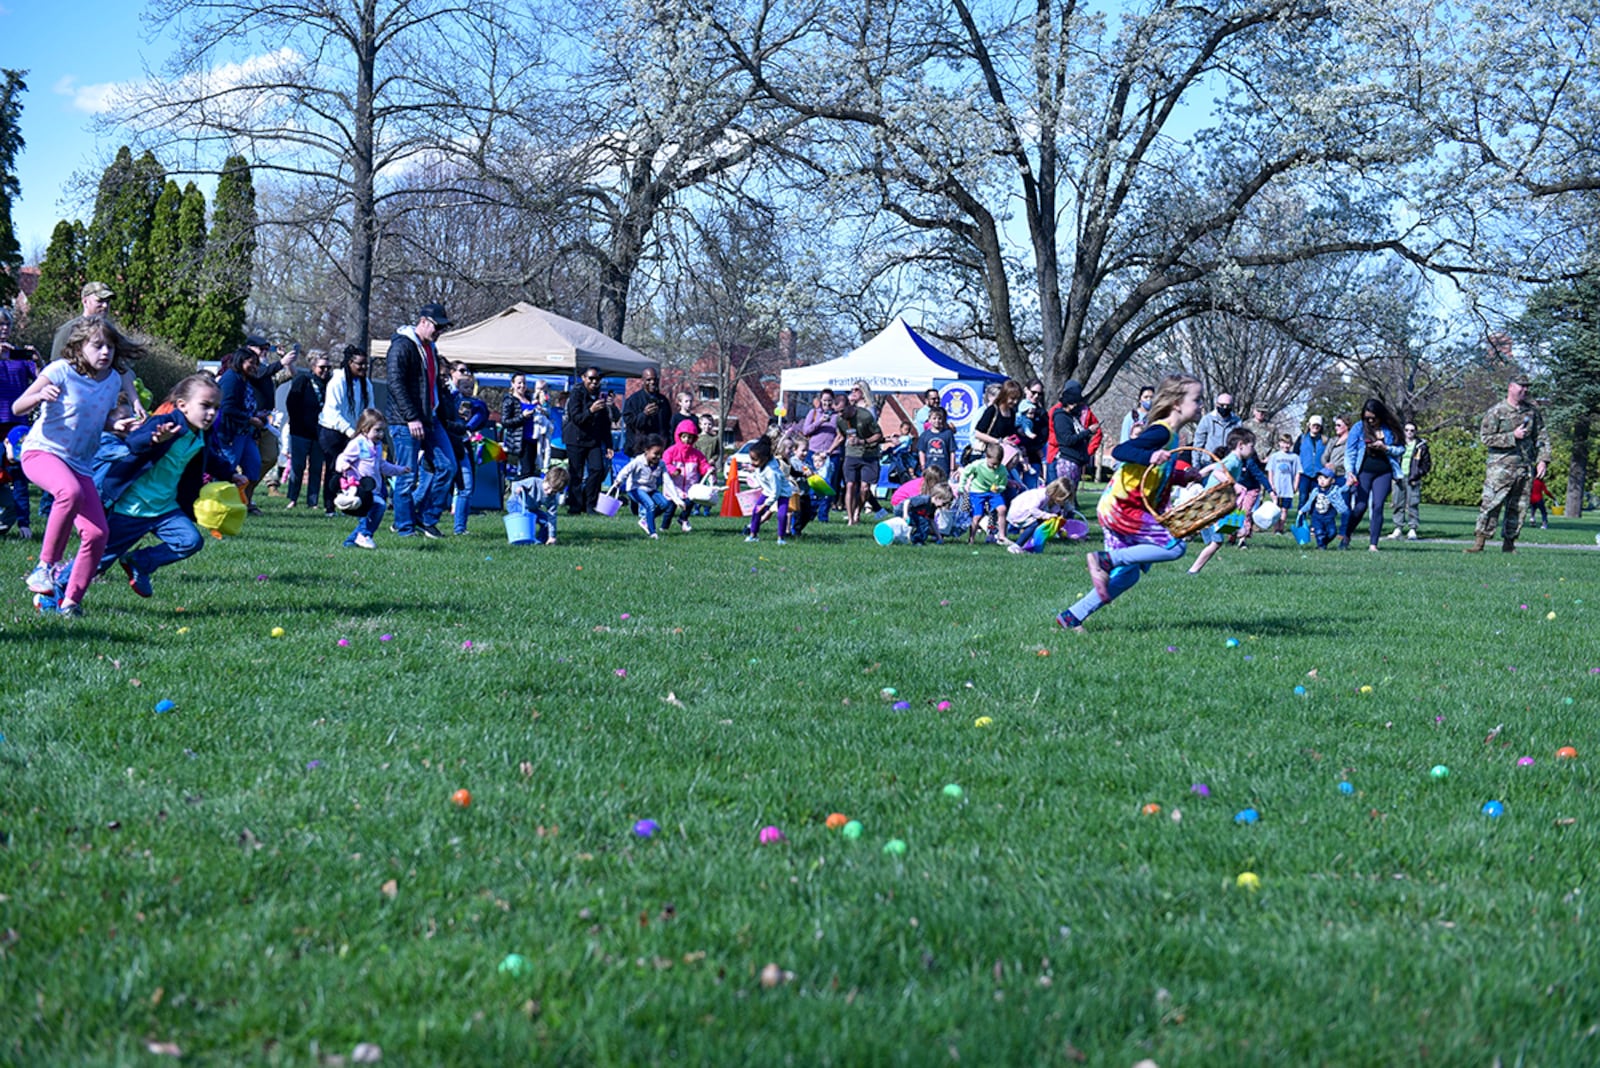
72,52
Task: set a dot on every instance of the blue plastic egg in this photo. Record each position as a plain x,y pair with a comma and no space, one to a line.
1493,809
1346,788
1247,815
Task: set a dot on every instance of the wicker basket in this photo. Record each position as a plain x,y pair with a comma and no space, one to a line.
1200,511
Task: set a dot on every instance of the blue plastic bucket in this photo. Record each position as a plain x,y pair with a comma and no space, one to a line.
1302,533
519,528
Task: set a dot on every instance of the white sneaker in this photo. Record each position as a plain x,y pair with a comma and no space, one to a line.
782,542
1411,535
685,527
289,506
643,525
751,537
42,579
1395,533
655,537
364,541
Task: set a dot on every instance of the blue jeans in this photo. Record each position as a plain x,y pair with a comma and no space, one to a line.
1306,485
652,503
368,524
469,481
303,451
178,539
828,467
422,493
245,454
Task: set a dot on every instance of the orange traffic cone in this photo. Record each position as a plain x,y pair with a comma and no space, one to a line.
730,496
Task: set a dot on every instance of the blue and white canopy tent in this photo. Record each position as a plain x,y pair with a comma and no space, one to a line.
897,360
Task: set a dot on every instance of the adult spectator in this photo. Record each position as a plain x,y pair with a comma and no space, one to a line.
516,430
346,396
821,428
1033,427
997,423
1309,447
1263,427
95,299
1414,467
587,432
930,401
19,365
270,439
1372,458
1333,454
647,412
304,406
862,438
1519,451
466,415
421,444
1068,453
240,418
1212,433
1134,419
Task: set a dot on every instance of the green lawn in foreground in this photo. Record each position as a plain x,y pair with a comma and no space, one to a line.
192,878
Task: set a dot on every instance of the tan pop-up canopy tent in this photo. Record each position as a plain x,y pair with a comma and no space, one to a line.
529,339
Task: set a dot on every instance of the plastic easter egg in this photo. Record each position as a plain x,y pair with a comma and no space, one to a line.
887,692
902,706
166,705
836,820
1248,880
646,828
1233,643
1151,809
342,642
1246,816
851,830
771,836
1200,789
982,721
1299,691
1523,762
1493,809
1549,615
952,790
461,798
1566,752
895,847
1366,689
944,706
277,632
514,964
1439,771
1347,788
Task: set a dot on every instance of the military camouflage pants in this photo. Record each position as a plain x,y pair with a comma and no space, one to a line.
1505,486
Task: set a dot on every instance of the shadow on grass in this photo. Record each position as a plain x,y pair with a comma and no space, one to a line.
1276,626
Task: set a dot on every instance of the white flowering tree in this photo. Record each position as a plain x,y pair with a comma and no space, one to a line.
1109,176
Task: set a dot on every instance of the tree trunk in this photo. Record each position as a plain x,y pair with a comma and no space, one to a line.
363,209
1578,467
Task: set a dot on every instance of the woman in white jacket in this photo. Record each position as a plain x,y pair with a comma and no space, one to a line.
348,394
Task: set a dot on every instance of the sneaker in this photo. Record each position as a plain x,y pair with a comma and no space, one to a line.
364,541
45,604
289,506
1395,533
1015,548
329,513
643,525
1372,548
42,579
138,581
655,537
685,527
1411,535
1099,576
70,610
1001,539
751,537
1067,621
432,532
251,509
782,542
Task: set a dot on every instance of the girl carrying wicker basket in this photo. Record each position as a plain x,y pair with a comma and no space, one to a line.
1135,537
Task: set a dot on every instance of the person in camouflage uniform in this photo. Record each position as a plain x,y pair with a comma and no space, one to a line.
1513,431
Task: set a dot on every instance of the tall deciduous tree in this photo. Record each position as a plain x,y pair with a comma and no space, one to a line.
1101,176
342,98
230,251
11,143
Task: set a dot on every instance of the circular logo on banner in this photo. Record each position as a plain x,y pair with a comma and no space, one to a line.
960,403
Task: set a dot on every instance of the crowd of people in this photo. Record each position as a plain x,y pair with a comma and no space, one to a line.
118,475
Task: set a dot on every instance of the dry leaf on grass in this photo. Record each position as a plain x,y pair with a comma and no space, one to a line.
163,1049
390,889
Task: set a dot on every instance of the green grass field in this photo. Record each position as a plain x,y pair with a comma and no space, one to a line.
274,872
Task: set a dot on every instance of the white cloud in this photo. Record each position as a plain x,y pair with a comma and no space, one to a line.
103,97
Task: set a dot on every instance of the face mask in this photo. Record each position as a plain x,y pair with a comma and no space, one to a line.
1145,405
1224,409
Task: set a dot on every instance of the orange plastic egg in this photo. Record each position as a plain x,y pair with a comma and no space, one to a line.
1566,752
461,798
1152,809
836,820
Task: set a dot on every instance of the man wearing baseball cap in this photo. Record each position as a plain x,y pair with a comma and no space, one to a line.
96,300
416,390
1309,446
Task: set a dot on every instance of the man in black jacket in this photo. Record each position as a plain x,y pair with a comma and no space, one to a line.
416,390
647,412
587,434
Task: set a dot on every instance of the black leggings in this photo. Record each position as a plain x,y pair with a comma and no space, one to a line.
1373,488
333,443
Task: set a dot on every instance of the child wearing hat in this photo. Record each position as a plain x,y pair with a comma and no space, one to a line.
1326,507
